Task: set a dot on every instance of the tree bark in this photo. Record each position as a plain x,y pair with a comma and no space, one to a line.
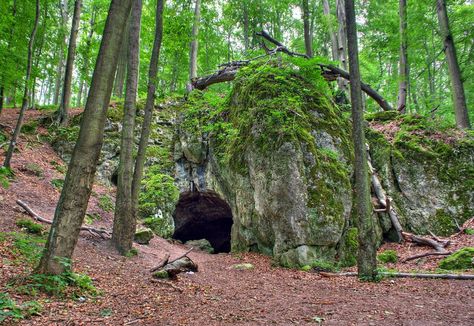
149,105
122,63
26,94
342,41
125,217
59,69
71,54
85,67
308,41
366,262
459,98
332,33
403,64
193,52
246,25
77,188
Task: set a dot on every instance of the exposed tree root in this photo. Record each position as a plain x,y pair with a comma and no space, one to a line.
97,232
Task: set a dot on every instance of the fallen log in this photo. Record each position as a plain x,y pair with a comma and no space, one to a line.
97,232
407,275
438,246
162,263
181,265
426,254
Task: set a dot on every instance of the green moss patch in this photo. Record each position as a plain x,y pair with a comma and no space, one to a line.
388,256
461,259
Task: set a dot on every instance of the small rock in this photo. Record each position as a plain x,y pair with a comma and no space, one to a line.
202,244
244,266
143,236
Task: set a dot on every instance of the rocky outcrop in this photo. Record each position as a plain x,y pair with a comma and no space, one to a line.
428,171
277,151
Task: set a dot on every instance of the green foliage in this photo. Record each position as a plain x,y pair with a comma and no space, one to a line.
321,265
27,248
91,218
469,231
131,253
57,183
388,256
30,127
106,203
67,283
161,274
11,310
59,167
159,225
461,259
350,246
30,226
5,175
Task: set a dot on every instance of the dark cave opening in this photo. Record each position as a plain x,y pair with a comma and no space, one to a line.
203,215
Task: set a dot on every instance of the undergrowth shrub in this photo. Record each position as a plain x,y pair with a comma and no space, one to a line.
388,256
106,203
29,226
10,310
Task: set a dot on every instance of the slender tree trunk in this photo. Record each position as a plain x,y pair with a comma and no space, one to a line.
59,69
342,41
85,67
332,33
122,64
24,104
77,188
125,216
71,54
308,42
459,98
194,44
2,96
246,26
149,105
366,262
403,64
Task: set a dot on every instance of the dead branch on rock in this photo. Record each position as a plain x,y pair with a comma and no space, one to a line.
178,265
162,263
407,275
329,72
437,245
97,232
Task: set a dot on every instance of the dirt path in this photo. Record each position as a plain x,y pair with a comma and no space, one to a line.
217,294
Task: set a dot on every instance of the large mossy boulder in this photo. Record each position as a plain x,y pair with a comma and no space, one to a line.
426,168
278,151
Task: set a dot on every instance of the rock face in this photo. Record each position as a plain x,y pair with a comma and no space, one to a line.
428,173
277,151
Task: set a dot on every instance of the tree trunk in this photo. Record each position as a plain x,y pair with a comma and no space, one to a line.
194,44
59,69
459,99
403,65
342,41
85,68
246,26
122,64
71,54
332,33
26,94
2,96
77,187
308,42
366,262
125,216
149,105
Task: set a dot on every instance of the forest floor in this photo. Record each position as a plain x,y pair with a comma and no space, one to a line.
217,294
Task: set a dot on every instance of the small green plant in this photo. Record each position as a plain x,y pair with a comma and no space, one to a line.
91,218
106,203
34,169
10,310
106,312
321,265
469,231
29,128
57,183
388,256
131,253
461,259
58,167
5,175
30,226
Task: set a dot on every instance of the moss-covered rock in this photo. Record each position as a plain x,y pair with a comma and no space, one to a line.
143,236
461,259
278,151
427,168
201,244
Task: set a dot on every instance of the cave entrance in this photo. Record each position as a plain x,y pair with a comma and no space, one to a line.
203,215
